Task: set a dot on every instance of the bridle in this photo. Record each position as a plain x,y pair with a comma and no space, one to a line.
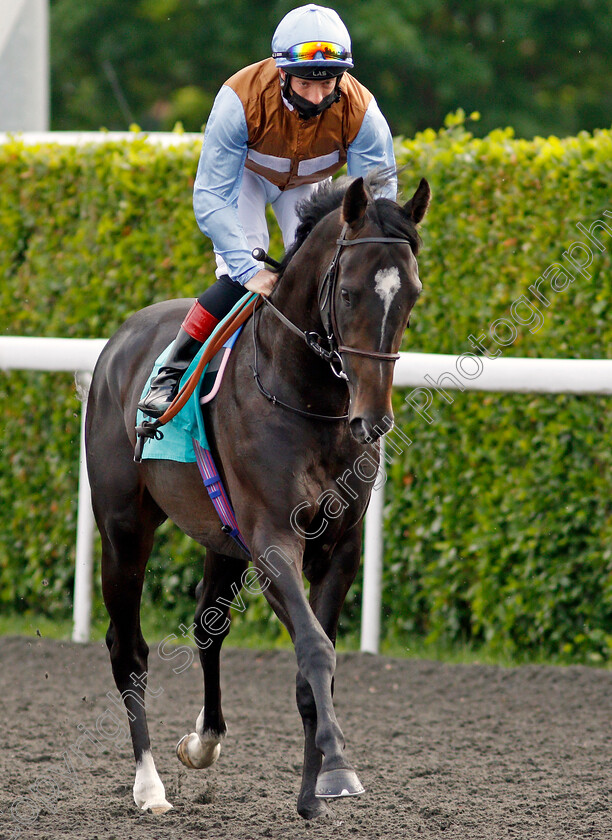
330,347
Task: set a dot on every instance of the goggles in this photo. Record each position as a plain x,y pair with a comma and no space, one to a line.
313,51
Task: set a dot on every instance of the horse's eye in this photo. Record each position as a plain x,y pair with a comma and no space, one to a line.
345,296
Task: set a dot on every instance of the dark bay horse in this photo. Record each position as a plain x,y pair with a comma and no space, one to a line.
297,482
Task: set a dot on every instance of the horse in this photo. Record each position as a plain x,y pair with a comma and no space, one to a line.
288,428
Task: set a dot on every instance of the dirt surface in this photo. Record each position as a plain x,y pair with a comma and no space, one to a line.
444,751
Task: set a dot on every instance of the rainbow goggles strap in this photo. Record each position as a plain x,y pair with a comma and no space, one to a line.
313,50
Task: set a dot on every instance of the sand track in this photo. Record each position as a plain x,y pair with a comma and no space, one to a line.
444,751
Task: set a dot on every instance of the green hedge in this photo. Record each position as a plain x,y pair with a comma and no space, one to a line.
499,524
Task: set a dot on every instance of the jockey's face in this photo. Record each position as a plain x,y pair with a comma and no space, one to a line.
309,89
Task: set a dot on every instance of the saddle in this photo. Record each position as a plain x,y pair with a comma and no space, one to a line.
183,437
183,420
173,440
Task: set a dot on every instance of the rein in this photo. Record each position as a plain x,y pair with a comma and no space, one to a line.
327,309
275,400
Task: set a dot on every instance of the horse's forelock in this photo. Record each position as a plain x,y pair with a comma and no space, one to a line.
393,220
389,216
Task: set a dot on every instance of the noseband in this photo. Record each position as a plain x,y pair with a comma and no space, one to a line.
327,309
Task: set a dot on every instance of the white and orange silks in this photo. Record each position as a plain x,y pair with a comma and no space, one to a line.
258,151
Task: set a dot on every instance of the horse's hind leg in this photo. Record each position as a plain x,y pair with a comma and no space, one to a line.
218,591
127,518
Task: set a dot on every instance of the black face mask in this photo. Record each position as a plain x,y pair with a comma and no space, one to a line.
307,109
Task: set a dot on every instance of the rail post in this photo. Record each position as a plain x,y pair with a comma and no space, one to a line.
83,571
372,567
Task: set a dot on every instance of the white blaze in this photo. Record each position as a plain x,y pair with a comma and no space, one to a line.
386,282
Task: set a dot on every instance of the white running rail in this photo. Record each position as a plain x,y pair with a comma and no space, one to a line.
413,370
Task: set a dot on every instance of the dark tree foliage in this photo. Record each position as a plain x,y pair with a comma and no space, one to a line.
539,65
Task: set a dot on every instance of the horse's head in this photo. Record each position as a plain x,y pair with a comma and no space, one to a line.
377,284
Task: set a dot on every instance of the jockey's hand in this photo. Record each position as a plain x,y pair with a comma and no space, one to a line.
262,282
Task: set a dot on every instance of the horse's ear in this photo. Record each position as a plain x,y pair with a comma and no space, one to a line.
355,203
417,206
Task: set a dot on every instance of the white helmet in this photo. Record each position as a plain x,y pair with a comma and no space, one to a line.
312,42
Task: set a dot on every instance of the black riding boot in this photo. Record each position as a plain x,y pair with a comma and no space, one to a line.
164,387
199,323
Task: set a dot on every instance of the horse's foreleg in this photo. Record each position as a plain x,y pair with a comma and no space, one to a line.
316,660
219,589
327,594
127,539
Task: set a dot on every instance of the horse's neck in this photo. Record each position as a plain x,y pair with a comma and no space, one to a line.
295,294
297,298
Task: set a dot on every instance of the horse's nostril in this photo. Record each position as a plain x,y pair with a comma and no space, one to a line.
366,432
362,431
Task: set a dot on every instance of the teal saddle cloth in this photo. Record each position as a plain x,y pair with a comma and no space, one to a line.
188,425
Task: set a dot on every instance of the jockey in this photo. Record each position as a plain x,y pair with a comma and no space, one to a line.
276,129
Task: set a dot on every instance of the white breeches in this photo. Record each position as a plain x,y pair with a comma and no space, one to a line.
255,194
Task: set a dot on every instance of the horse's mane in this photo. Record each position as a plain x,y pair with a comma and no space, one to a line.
390,217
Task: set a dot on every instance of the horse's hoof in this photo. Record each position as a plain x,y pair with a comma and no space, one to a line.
159,809
149,792
196,752
314,809
155,806
331,784
156,803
